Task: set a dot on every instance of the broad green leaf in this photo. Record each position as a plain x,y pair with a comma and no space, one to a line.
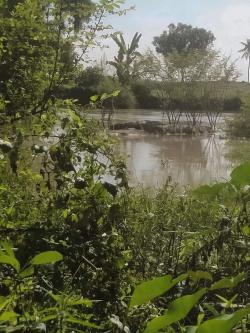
228,283
9,260
27,272
8,315
240,176
224,323
178,310
179,278
146,291
4,301
48,257
200,275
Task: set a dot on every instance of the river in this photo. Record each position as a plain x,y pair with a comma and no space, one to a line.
154,159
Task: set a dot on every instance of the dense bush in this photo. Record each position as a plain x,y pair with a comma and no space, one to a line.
240,125
144,97
232,104
126,99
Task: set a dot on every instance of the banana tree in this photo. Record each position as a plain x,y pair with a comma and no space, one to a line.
246,54
125,62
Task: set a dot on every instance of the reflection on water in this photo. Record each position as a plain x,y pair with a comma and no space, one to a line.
191,161
122,116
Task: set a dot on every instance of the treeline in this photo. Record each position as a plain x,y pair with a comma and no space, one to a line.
144,95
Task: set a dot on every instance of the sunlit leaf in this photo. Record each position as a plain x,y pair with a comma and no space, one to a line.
8,315
240,176
27,272
178,310
200,275
146,291
9,260
94,98
224,323
48,257
228,283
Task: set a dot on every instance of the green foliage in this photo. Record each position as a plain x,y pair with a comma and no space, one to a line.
246,54
183,38
126,61
224,323
64,194
239,126
20,312
146,291
179,309
46,258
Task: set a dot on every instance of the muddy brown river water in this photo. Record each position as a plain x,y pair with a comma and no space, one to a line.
186,160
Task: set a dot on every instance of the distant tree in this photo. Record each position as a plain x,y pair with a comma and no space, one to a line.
183,38
246,54
125,62
90,77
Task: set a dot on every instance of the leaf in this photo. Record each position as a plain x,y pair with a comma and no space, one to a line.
49,317
85,323
178,310
56,298
224,323
9,260
228,283
146,291
82,301
104,96
200,275
240,176
8,248
4,301
8,315
227,303
94,98
191,329
27,272
115,93
48,257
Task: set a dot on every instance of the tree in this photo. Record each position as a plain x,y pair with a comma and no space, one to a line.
246,54
183,38
90,77
125,62
38,48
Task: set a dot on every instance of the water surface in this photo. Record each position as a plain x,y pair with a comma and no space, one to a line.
152,160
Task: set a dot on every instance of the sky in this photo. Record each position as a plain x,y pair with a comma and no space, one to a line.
229,20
